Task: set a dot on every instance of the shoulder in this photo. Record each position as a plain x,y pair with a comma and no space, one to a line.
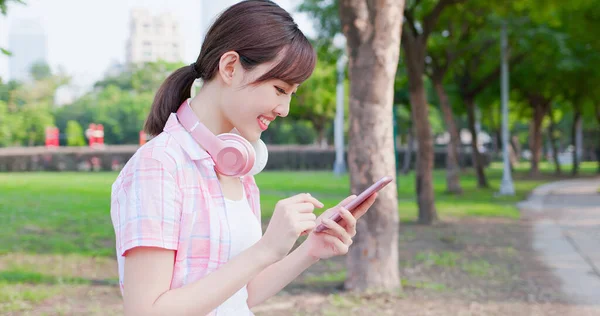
161,156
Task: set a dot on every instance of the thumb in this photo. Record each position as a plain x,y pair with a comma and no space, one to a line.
347,200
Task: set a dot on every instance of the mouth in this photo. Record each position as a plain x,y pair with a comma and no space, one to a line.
263,122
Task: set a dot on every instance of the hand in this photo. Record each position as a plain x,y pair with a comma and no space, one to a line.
337,237
292,217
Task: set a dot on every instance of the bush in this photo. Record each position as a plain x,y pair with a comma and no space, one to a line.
74,133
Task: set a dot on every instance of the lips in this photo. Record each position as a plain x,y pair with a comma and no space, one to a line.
263,122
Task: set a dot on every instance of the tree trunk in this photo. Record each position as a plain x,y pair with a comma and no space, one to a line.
512,156
373,41
574,128
322,138
452,167
535,136
517,146
498,142
415,63
408,153
552,138
477,159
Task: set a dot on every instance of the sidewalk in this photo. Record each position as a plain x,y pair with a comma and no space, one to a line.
566,232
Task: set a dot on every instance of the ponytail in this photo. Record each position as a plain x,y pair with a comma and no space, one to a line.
171,94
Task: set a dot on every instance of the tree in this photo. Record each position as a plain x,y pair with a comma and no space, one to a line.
559,72
478,70
444,49
74,133
141,77
28,110
40,70
316,99
421,18
4,11
373,33
5,125
538,82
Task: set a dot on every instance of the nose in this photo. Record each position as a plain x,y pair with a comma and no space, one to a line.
282,109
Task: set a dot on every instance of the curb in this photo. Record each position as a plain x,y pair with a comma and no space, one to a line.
535,200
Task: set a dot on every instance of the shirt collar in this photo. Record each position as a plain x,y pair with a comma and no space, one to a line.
174,128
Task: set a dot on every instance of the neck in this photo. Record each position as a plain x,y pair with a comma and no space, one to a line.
206,106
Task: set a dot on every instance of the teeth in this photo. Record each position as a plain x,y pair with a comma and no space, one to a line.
265,121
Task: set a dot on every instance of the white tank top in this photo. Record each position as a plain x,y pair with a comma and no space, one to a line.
245,230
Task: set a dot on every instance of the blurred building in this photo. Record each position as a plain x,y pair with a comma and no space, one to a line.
114,69
153,37
211,10
27,43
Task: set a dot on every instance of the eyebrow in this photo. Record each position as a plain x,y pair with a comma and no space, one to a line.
291,85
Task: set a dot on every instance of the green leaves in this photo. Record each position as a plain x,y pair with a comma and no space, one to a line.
5,52
325,15
4,5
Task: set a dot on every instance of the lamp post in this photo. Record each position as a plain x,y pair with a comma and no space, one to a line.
506,187
339,166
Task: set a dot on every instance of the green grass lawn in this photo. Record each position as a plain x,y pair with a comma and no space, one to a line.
56,230
69,212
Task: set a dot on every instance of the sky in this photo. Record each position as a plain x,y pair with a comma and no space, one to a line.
85,37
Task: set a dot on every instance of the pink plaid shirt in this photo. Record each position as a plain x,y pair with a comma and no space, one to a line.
168,196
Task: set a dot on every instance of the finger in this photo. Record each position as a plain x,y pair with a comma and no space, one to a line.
305,227
347,200
337,243
364,206
304,207
306,217
302,197
349,221
337,230
331,213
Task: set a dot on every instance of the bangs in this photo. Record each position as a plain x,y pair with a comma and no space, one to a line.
297,62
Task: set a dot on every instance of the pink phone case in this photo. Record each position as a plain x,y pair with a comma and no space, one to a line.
375,187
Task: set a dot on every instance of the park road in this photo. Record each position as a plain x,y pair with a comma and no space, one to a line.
566,236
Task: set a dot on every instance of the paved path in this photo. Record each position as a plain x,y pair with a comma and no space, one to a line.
567,235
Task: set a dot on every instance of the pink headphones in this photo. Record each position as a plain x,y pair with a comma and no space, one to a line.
233,154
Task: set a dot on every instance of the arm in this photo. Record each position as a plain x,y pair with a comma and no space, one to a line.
275,277
148,273
317,246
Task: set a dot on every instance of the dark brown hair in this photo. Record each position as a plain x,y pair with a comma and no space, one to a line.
258,31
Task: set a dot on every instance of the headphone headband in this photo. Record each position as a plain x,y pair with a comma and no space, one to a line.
199,131
233,154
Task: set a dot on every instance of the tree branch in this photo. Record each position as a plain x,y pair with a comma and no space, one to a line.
487,80
486,45
408,15
415,5
431,19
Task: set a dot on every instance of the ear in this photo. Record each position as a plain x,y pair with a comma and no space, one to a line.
228,64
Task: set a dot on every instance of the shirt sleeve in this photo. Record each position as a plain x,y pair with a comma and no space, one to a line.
146,208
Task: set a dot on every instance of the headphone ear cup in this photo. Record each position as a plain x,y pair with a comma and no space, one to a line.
262,157
236,158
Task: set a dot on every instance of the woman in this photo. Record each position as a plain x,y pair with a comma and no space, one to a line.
186,209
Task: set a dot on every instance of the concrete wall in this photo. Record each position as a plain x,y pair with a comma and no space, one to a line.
112,158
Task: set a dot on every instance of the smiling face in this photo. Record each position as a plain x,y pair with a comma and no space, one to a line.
249,107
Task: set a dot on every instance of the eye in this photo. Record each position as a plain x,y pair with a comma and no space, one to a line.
280,90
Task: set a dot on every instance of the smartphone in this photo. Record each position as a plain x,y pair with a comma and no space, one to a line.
358,200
